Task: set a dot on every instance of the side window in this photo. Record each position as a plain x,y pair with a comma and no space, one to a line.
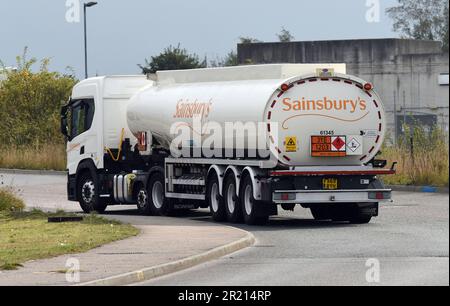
81,116
90,110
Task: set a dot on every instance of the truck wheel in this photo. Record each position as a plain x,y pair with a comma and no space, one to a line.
214,200
232,206
251,208
159,204
142,202
88,196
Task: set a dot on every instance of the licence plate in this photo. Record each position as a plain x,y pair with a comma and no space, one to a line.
330,184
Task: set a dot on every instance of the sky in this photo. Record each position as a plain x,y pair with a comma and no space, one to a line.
123,33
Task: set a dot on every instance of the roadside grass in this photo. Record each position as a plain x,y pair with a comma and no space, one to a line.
427,165
26,235
9,202
428,168
36,157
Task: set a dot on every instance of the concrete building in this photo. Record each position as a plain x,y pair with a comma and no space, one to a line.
410,75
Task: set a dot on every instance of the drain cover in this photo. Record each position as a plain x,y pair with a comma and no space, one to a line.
64,219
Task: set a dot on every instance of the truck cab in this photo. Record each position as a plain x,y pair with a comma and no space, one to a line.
93,122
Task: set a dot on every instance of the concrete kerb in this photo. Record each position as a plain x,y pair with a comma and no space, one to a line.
424,189
32,172
176,266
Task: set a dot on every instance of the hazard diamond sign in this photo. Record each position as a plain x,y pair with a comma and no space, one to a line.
328,146
338,144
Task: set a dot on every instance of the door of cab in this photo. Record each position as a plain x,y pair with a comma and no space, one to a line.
82,138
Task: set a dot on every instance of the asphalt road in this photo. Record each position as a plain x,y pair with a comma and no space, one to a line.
409,240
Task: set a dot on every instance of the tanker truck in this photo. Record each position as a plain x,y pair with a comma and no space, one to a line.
242,141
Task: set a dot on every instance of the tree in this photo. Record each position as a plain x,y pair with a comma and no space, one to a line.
285,36
421,19
231,59
248,40
172,58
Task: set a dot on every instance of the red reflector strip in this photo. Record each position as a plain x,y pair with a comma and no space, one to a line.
342,172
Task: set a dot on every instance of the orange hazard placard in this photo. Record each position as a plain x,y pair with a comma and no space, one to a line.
328,146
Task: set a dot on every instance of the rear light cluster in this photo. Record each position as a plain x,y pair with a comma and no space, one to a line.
285,87
368,86
284,197
379,195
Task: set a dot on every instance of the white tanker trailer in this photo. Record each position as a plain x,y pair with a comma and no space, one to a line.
241,141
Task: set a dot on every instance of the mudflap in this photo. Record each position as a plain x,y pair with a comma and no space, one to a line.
267,209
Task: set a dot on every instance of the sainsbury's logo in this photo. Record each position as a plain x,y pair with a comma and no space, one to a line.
327,104
186,109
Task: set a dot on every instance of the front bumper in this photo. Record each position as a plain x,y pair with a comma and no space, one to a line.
332,196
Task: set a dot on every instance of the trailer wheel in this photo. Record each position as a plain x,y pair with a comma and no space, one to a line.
232,206
351,213
358,217
159,204
88,196
252,209
361,219
214,200
321,213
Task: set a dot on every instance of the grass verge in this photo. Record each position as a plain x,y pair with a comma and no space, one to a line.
28,236
424,168
38,157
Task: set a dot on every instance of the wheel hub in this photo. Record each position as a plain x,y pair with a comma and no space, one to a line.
231,196
215,197
142,198
88,192
248,200
158,195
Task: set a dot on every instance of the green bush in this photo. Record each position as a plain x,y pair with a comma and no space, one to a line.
9,202
30,104
426,163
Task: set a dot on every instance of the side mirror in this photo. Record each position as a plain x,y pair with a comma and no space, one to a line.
64,125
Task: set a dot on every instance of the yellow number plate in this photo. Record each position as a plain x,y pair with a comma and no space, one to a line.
330,184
